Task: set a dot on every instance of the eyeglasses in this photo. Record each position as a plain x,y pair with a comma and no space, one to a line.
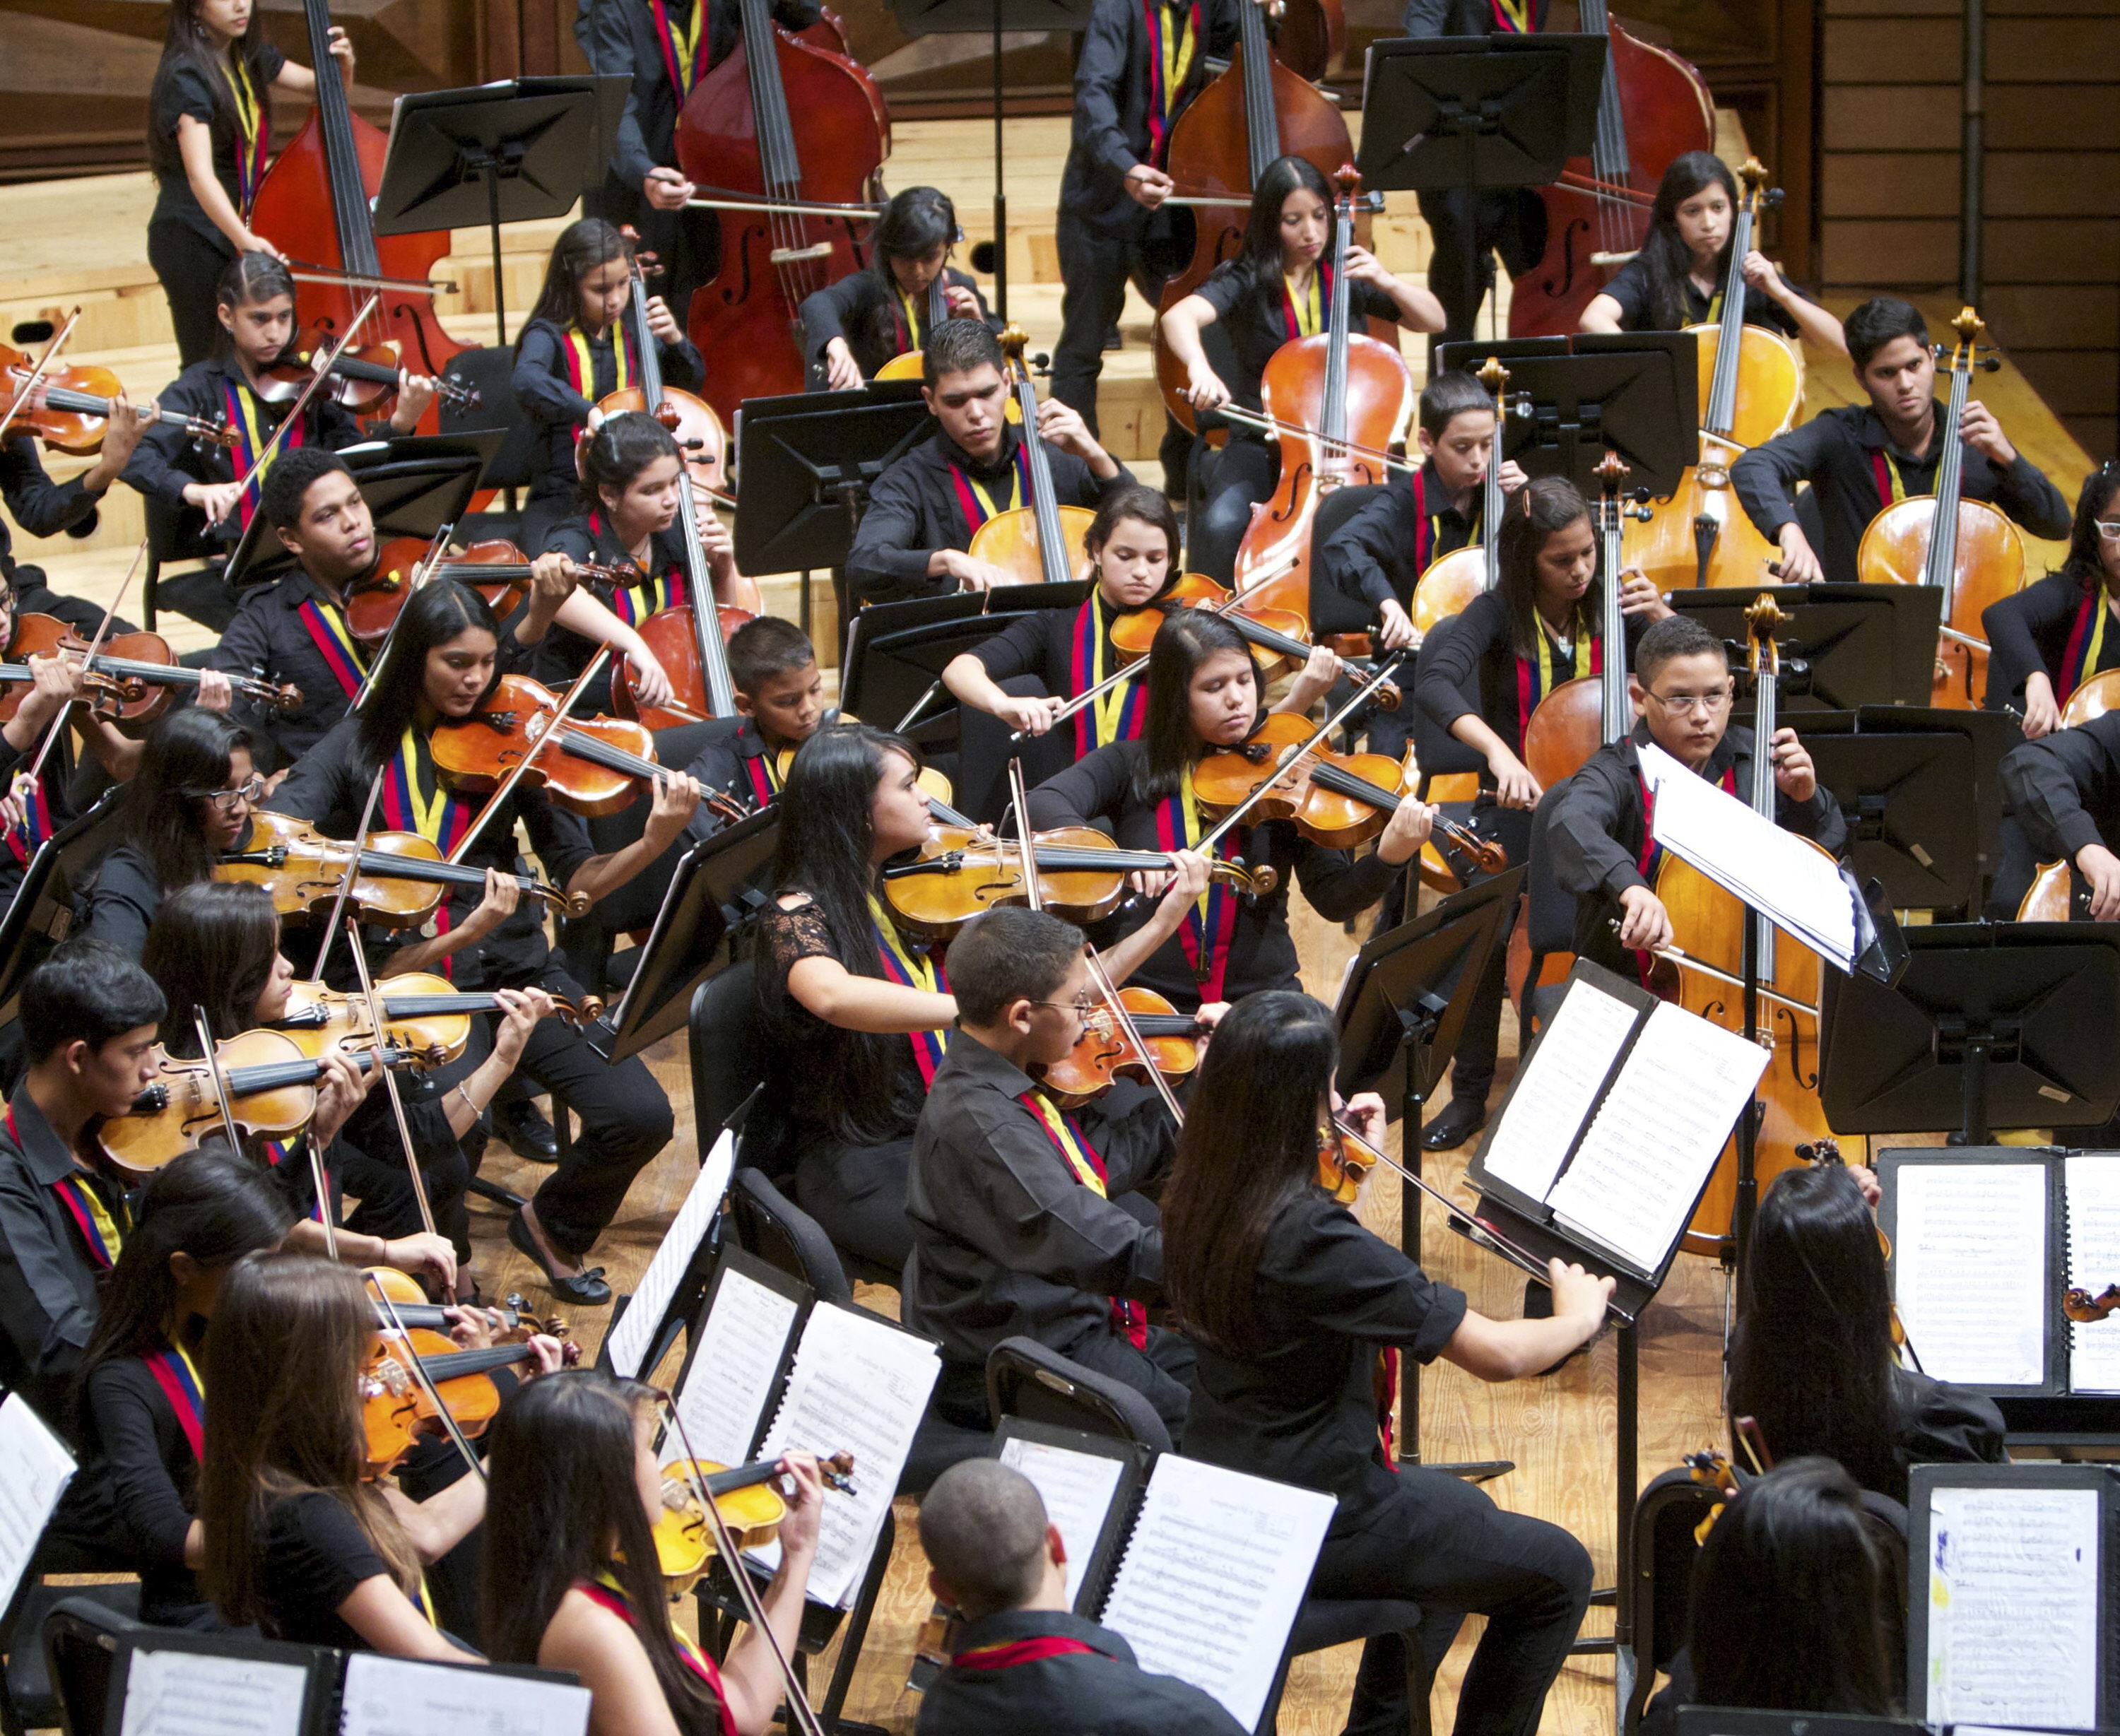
249,789
1081,1007
1680,705
2109,530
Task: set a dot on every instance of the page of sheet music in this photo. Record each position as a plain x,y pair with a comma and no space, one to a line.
861,1385
634,1334
1633,1183
723,1395
1077,1490
2092,1183
1969,1269
1559,1082
2013,1606
192,1693
34,1470
396,1696
1213,1577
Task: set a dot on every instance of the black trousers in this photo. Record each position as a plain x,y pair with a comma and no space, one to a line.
858,1193
190,266
388,1207
1443,1544
1162,1372
1474,1071
1225,486
686,243
1468,229
1095,265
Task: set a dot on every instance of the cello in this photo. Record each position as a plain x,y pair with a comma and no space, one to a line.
313,204
1652,109
1031,542
736,134
1967,549
1455,578
910,365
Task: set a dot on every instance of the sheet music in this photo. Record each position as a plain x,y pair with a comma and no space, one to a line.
723,1395
1213,1577
2013,1606
396,1696
1793,885
1969,1270
862,1384
2092,1182
634,1334
1077,1490
34,1470
196,1694
1559,1084
1658,1132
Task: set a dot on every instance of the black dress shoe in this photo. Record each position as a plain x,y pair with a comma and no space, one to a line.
1456,1125
528,1133
587,1291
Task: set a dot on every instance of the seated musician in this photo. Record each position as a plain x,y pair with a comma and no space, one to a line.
576,349
1482,681
88,1015
851,328
1025,1663
1289,1300
1676,279
1598,834
2052,636
442,668
1204,696
1017,1230
571,1576
2063,790
923,510
1277,290
780,698
1859,459
43,507
299,1539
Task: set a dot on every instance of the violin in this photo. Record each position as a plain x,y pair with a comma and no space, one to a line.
361,379
131,678
1279,634
397,1411
1170,1044
408,1303
1030,543
750,1508
69,408
2084,1309
498,570
420,1011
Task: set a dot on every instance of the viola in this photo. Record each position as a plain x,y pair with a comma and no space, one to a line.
2082,1306
750,1509
1279,633
419,1011
69,408
132,677
1031,542
498,570
1170,1044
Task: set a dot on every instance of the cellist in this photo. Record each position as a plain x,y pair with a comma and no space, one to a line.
851,328
2056,634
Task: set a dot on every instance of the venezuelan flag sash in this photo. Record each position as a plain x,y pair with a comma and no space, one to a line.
101,1235
683,51
1511,17
914,970
633,604
581,361
1088,1167
326,624
1119,715
2087,644
607,1594
1536,680
1891,485
1306,318
977,505
1174,43
253,123
252,437
1015,1652
179,1377
1212,920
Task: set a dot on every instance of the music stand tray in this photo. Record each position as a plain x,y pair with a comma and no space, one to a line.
1440,112
1861,644
896,653
808,461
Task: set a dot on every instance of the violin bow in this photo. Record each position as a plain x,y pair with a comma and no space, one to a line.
418,1370
506,787
1122,1016
322,372
346,880
320,1178
37,372
1476,1230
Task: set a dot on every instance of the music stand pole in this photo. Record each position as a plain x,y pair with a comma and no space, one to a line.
1001,197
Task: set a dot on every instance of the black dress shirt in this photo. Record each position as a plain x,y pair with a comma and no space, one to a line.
42,507
866,311
737,762
122,900
1458,17
2033,630
1043,644
1839,452
1379,552
542,390
272,638
2064,789
183,88
166,462
146,1479
915,509
1630,287
1256,321
1329,1295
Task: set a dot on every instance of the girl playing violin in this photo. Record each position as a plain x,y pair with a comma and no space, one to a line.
1277,290
299,1540
578,348
1204,696
851,328
571,1581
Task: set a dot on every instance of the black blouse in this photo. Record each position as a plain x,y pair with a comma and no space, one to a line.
861,309
137,1451
2051,626
313,1555
1630,287
563,654
1259,321
183,88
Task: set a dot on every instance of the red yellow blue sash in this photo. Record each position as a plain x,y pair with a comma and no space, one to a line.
1088,1168
1536,679
633,604
607,1594
25,840
252,437
2086,643
977,505
764,774
1015,1652
1121,714
178,1378
1208,925
683,51
581,361
102,1236
326,624
910,969
1173,46
1891,485
253,126
1513,17
1306,318
441,818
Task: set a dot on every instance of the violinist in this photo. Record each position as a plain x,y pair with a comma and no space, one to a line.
1018,1227
780,700
1277,290
89,1016
43,507
571,1582
1859,459
2056,634
1676,279
443,666
851,328
1290,1299
924,508
576,349
298,1540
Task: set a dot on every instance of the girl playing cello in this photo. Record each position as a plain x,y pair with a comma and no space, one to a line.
2056,634
851,328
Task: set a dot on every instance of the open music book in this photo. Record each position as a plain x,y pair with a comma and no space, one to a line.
633,1333
34,1470
1202,1570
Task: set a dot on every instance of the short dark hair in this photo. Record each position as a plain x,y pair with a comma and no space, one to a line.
1009,953
86,991
1877,322
1450,394
1675,635
760,649
957,347
983,1528
286,484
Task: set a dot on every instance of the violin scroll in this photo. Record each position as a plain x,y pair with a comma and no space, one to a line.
2080,1305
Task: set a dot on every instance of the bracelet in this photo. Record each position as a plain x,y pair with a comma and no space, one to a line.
474,1110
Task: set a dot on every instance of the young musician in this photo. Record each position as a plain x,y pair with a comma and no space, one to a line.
1289,1300
2049,639
2064,790
852,328
442,670
1017,1230
1482,681
1277,290
1860,460
1599,831
571,1579
924,508
1204,698
1025,1663
299,1539
88,1019
1676,279
576,349
780,698
43,507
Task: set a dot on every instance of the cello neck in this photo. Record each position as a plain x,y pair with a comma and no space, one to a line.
1262,118
349,196
1335,419
1490,489
1942,566
1730,335
1044,503
649,361
1612,622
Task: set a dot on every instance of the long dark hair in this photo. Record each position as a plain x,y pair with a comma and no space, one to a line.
1261,252
563,1508
1543,506
916,222
1181,644
622,447
1798,1598
187,752
433,616
185,44
2086,558
1248,1147
583,246
212,945
1811,1358
1666,262
248,280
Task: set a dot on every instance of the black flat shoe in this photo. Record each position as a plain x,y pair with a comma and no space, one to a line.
523,1126
1455,1125
588,1291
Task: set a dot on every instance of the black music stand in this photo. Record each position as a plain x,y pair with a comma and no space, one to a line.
41,913
452,152
1861,644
